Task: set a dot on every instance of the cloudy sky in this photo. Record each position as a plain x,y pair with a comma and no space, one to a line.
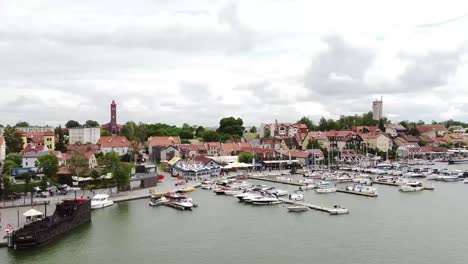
192,61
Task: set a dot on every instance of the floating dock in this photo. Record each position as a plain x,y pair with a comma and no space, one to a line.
386,183
311,206
275,181
357,193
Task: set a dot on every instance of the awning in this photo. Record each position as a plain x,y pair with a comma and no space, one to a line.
237,165
173,161
32,212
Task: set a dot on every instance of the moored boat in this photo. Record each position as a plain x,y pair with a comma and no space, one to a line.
298,208
411,186
100,201
297,195
325,187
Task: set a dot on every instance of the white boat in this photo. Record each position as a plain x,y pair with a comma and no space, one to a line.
465,181
362,189
185,204
266,199
337,210
447,178
325,187
343,178
411,186
158,201
298,208
297,195
304,181
101,201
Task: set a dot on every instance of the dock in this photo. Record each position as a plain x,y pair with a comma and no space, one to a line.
311,206
386,183
357,193
275,181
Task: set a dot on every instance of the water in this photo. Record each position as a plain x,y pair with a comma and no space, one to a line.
425,227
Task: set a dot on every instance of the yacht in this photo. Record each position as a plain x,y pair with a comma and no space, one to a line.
277,192
297,195
158,201
415,173
362,189
183,203
337,210
325,187
298,208
101,201
343,178
266,199
411,186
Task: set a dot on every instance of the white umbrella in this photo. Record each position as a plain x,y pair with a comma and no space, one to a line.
32,212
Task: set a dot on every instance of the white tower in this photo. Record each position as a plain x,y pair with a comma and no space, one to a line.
377,109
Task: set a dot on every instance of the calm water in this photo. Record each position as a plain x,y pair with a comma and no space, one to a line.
425,227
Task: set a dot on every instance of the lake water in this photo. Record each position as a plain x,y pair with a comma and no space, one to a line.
425,227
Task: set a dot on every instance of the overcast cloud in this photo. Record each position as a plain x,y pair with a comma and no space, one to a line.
194,61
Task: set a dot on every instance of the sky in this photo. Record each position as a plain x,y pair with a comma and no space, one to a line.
189,61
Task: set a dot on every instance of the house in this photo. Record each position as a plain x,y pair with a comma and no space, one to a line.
117,144
366,129
213,149
395,130
409,150
84,135
282,129
320,137
457,129
233,149
456,139
64,158
342,139
260,153
38,139
158,145
432,131
301,156
83,148
2,148
205,161
192,150
381,141
31,154
405,139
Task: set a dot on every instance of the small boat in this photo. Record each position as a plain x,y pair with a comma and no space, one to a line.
411,186
338,210
448,178
465,181
362,189
220,190
325,187
186,190
298,208
158,201
297,195
101,201
266,199
183,204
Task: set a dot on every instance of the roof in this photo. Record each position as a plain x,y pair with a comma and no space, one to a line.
228,147
429,128
83,147
192,147
338,133
409,138
34,154
317,135
202,159
369,129
397,127
34,148
164,141
114,142
294,153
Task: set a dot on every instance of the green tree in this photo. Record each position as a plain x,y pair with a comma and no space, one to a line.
50,165
323,124
246,157
105,133
13,140
422,143
121,173
43,183
22,124
91,123
210,136
6,186
199,131
129,130
60,145
15,157
253,129
231,126
110,161
78,163
72,124
306,121
8,165
186,134
413,130
267,132
313,144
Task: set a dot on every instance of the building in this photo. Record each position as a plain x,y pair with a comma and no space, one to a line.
38,139
366,129
117,144
32,129
395,130
377,109
342,139
205,161
381,141
192,150
213,149
432,131
112,126
233,149
457,129
159,150
282,129
320,137
83,148
84,135
31,154
64,159
2,148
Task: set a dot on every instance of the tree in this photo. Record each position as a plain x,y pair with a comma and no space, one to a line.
22,124
199,131
306,121
231,126
246,157
413,130
267,132
43,183
6,186
253,129
27,179
91,123
121,173
186,133
72,124
60,145
50,165
422,143
210,136
323,125
110,161
78,163
128,130
381,125
8,165
313,144
13,140
15,157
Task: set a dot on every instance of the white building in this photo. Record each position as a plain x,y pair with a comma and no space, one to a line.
32,154
118,144
84,135
377,110
2,148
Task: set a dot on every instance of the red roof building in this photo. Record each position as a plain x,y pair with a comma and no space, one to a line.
112,126
164,141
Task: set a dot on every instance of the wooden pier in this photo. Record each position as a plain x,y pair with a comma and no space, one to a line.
275,181
311,206
357,193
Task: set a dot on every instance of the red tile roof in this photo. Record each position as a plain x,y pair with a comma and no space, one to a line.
201,159
317,135
33,148
164,141
114,142
294,153
429,128
83,147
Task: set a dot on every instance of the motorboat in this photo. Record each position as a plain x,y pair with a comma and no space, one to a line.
362,189
208,186
101,201
343,178
465,181
338,210
297,195
386,179
266,199
448,178
247,196
298,208
158,201
185,203
325,187
414,173
308,186
411,186
277,192
186,189
221,190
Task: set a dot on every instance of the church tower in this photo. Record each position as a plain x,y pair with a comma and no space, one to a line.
113,121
